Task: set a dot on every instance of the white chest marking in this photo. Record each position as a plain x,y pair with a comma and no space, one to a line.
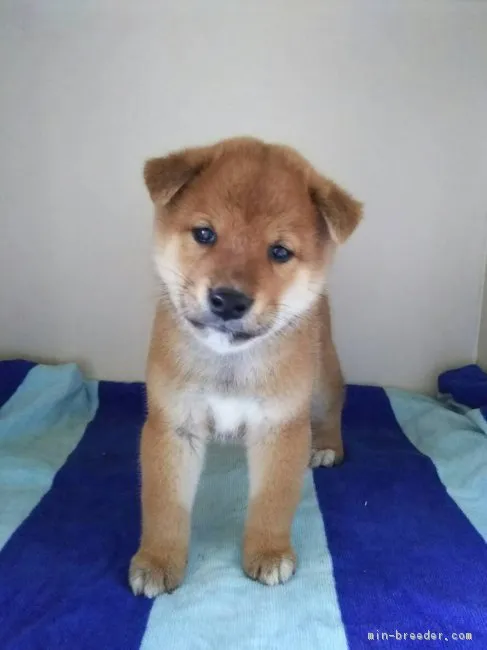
226,416
231,413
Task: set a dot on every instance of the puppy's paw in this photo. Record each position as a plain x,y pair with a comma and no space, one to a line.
149,576
325,458
270,567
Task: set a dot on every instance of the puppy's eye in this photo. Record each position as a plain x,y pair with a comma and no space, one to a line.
280,254
205,236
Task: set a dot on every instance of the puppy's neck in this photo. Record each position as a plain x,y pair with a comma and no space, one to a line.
251,368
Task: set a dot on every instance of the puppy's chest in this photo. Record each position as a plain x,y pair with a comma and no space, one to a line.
235,417
215,415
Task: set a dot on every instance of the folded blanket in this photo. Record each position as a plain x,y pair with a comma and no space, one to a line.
391,545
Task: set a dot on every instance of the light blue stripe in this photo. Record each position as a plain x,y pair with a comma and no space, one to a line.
218,607
40,425
476,416
455,444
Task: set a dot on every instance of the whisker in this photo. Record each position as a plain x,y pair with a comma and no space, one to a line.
178,274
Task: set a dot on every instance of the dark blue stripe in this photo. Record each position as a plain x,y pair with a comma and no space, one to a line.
63,574
467,385
12,374
405,557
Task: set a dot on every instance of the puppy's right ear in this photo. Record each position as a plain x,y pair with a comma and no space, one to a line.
165,177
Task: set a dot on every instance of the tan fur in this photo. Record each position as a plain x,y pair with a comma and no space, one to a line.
269,391
282,459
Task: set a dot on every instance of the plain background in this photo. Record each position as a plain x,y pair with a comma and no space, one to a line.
389,98
482,351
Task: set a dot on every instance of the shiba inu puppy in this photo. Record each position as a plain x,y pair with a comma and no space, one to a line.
241,345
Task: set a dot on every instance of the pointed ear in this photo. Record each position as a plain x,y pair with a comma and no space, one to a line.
165,177
341,212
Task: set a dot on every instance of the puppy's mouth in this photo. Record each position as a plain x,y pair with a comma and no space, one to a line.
233,335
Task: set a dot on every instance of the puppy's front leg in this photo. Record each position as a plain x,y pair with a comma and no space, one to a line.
171,466
277,463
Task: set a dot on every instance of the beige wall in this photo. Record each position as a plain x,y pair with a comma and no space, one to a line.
482,352
387,97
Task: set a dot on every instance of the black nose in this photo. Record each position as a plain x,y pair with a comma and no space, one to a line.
228,304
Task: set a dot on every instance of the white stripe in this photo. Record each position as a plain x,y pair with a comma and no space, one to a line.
218,607
457,447
40,425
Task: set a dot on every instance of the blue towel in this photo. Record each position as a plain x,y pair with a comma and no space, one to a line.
391,545
467,385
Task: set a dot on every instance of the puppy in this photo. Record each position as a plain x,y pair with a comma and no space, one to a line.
241,345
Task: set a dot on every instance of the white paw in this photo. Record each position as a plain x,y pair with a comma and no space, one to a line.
271,567
322,458
149,578
144,585
278,573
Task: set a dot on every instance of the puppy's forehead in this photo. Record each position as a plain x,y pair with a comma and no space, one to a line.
254,186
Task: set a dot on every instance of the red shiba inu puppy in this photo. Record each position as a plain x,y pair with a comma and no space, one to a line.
241,345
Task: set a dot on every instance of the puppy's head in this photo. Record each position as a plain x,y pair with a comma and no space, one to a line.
244,232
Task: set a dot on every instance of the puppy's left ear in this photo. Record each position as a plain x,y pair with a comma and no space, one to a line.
341,212
165,177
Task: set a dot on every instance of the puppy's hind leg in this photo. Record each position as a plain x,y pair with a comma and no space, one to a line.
326,414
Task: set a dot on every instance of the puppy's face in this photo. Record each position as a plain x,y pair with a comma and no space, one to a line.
243,235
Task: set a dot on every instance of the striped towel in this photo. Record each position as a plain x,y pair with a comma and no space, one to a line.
391,545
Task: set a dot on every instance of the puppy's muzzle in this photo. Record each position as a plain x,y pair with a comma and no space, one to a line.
228,304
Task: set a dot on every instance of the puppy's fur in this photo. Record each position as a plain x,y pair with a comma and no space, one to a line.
269,378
